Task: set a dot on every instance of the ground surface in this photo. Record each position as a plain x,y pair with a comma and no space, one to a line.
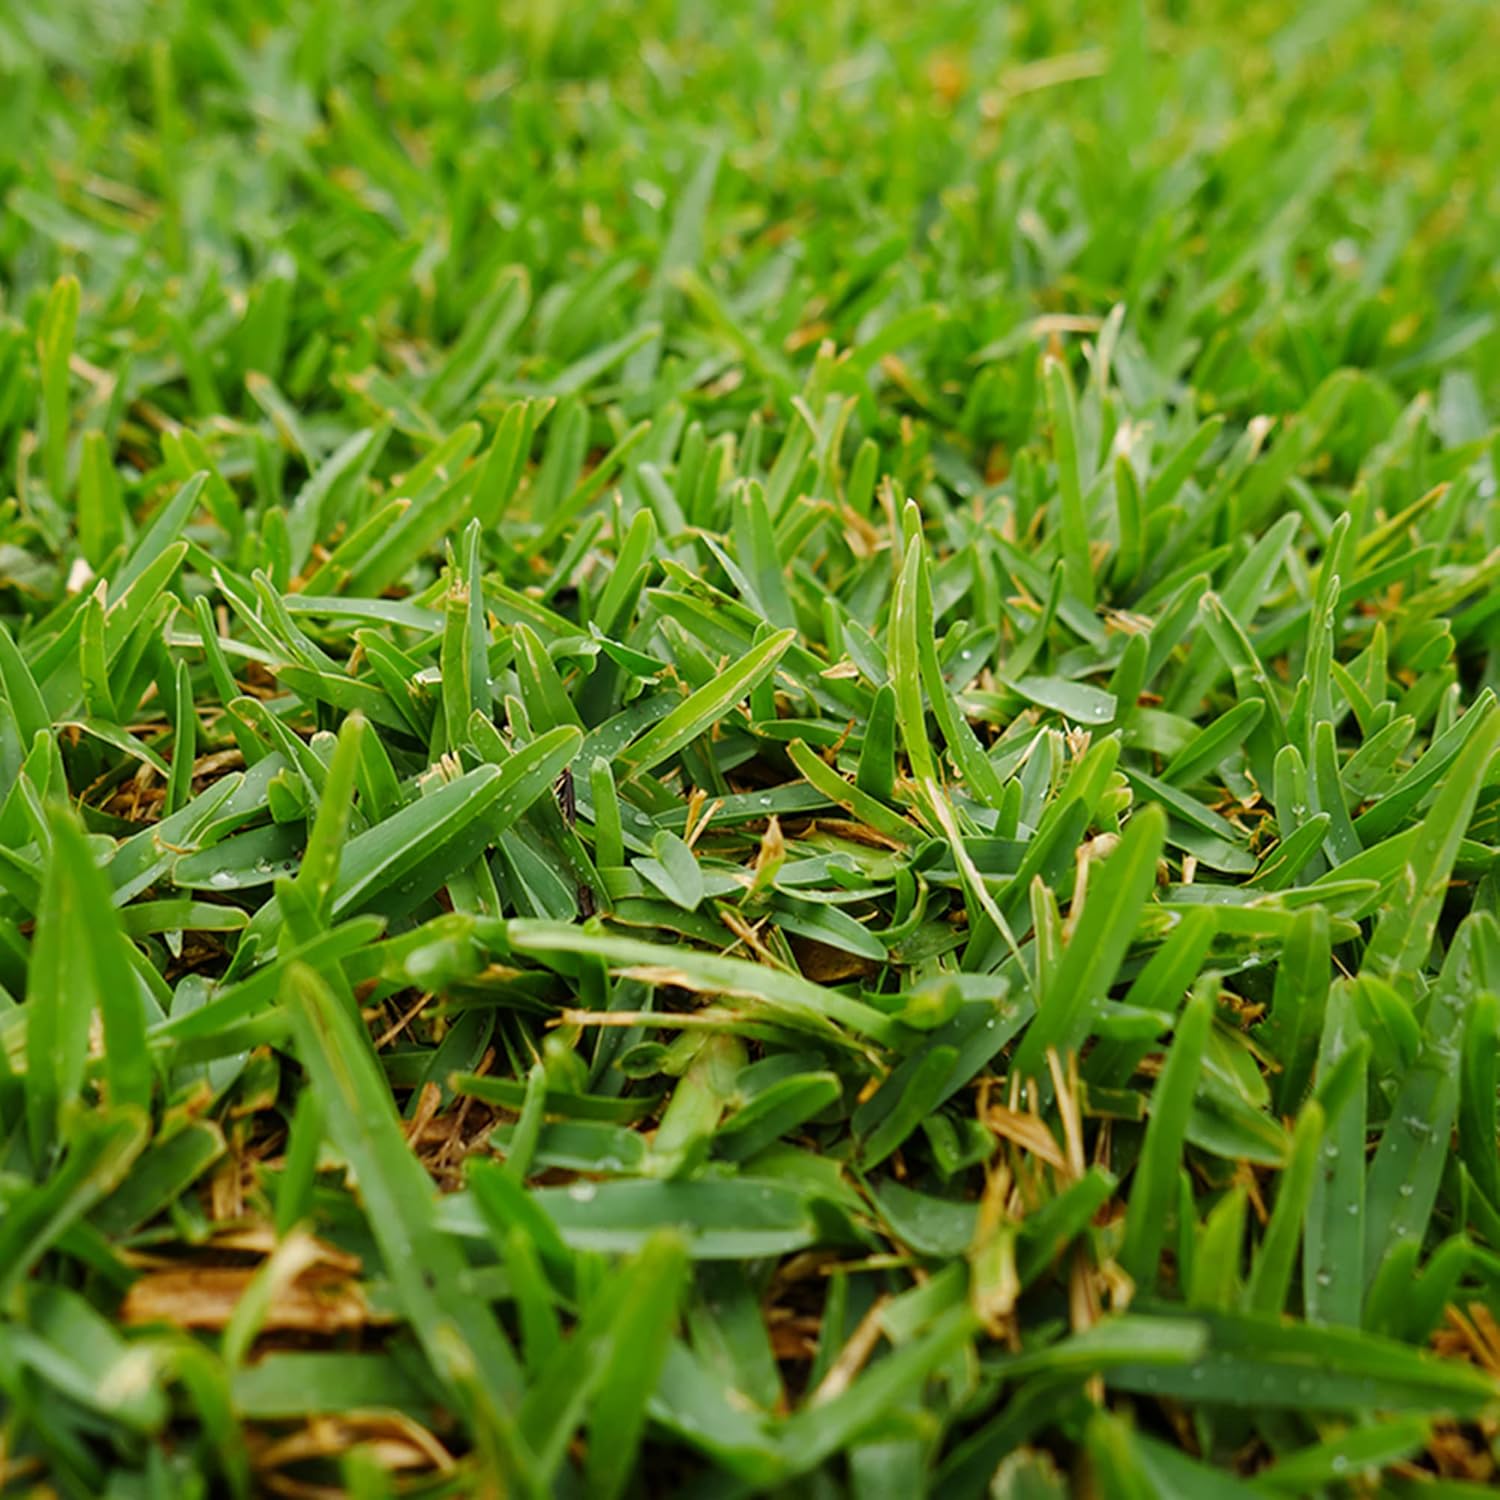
748,749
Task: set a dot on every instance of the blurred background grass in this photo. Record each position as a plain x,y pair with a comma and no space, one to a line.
1286,187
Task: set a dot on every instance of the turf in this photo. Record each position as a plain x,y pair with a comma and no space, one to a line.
749,749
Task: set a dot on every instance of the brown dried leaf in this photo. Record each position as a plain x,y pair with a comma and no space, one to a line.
1027,1131
322,1300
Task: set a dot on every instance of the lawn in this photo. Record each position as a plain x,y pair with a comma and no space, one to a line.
749,749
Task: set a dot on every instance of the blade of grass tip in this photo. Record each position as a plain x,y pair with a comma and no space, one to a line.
503,464
1406,1305
184,743
906,668
1161,1152
319,870
1341,843
161,1175
1333,1242
1289,856
471,559
876,771
460,1337
162,536
1271,1275
1047,938
93,672
1130,513
1415,784
633,563
705,707
94,929
1401,1187
1234,648
673,870
1159,986
1361,1450
78,968
1404,934
505,1206
859,488
1269,1364
1113,903
1062,409
758,555
456,662
1298,1001
1322,620
775,1112
1128,679
1217,1253
1423,1308
820,775
916,617
609,842
22,695
542,690
1214,743
528,1130
418,849
788,994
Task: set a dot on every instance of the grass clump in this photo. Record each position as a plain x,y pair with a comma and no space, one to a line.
748,752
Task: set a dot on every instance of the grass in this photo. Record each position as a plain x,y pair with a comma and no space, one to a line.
749,750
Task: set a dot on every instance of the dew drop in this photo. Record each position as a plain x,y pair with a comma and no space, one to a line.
223,879
582,1192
